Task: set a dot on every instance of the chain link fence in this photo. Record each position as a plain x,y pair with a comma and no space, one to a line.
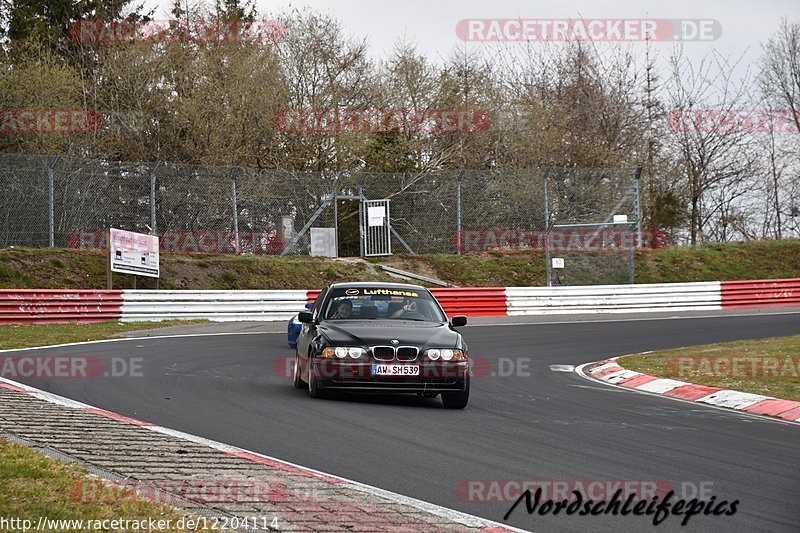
69,202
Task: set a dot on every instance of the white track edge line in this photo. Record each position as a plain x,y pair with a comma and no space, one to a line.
120,339
438,510
729,410
644,319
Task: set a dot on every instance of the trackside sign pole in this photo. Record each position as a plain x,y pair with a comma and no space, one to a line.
109,280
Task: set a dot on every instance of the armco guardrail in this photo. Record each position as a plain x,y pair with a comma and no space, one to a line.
702,296
482,301
219,306
762,293
38,306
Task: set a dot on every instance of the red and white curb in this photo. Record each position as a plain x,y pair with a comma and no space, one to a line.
610,372
458,517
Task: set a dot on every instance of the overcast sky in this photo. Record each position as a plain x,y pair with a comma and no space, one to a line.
431,24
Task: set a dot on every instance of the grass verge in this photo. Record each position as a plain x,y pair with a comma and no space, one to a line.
30,335
764,366
33,485
53,268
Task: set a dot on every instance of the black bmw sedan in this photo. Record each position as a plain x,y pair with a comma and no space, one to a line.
381,338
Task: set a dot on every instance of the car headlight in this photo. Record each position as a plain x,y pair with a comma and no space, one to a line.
343,351
446,354
355,353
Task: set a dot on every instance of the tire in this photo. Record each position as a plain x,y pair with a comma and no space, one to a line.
456,400
298,381
313,388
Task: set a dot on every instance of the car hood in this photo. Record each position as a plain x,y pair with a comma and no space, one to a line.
376,332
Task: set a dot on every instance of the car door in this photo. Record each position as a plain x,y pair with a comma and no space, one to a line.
309,331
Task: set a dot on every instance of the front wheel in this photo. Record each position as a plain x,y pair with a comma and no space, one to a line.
298,381
456,400
313,386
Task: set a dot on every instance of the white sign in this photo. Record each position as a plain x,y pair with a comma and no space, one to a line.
287,225
375,215
323,242
133,253
620,218
558,262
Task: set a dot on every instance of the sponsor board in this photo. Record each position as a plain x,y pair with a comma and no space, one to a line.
133,253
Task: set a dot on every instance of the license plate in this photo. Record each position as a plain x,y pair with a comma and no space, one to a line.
395,370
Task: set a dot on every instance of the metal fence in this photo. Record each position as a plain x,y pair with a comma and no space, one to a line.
68,202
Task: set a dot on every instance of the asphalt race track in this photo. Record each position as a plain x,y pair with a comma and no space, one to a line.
534,424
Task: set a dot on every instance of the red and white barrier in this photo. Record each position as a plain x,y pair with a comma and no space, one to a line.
610,371
38,306
703,296
35,306
218,306
762,293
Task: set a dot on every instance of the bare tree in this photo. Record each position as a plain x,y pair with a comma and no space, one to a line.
705,129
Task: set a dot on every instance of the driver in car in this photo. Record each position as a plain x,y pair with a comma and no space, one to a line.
409,307
343,310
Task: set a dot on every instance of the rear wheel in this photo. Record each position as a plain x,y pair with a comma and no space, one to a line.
298,381
456,400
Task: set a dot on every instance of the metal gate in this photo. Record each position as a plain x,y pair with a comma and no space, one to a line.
376,229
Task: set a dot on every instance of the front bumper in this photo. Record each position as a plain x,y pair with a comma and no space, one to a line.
434,376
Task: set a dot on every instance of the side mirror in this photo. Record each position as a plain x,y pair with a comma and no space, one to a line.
305,317
458,321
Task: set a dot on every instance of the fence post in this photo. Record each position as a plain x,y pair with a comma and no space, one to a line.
546,230
458,212
638,209
336,213
51,204
153,198
235,208
638,205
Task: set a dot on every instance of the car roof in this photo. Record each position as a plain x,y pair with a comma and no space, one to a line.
376,285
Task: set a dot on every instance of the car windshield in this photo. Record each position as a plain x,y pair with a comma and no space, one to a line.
382,303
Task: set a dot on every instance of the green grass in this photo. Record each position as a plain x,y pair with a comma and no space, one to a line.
29,335
782,381
33,485
75,269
